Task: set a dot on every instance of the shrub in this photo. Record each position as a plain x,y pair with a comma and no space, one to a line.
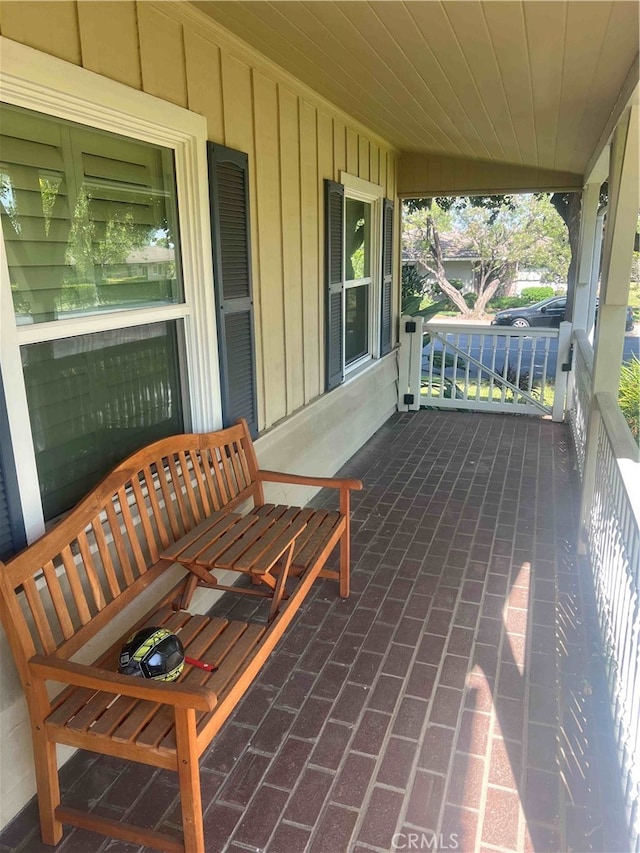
531,295
470,299
413,284
501,303
629,395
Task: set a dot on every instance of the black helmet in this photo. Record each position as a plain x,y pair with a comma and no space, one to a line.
152,653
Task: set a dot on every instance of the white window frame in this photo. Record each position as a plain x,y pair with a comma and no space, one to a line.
373,194
45,84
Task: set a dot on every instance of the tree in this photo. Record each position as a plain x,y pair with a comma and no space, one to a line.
502,233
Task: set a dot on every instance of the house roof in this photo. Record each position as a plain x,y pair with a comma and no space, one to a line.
151,255
530,83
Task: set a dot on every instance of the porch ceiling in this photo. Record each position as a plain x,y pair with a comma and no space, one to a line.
526,83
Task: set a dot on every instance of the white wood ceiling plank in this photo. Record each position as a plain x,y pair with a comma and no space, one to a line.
586,24
546,33
351,52
508,37
271,32
472,33
384,41
420,63
430,18
610,73
512,81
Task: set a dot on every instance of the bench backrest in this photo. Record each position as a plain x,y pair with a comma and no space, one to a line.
65,587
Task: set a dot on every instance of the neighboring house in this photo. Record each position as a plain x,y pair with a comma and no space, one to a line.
276,169
151,263
458,259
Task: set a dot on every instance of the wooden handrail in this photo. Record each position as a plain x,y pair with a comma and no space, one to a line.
82,675
265,476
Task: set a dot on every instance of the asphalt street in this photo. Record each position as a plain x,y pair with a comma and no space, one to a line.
529,357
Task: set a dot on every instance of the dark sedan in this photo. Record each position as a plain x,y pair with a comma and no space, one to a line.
549,313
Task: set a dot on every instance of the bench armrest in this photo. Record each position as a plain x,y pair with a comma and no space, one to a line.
81,675
301,480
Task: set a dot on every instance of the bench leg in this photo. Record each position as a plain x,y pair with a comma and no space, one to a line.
48,786
189,779
345,546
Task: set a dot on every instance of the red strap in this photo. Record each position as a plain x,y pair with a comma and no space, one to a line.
201,664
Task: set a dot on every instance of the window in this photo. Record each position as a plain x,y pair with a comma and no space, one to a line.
358,280
108,340
76,204
358,270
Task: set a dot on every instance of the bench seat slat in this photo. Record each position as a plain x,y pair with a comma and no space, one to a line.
256,532
220,518
214,552
325,530
118,710
224,677
261,559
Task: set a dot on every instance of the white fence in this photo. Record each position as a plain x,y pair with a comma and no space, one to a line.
611,480
483,368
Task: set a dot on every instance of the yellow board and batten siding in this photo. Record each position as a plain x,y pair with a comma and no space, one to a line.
294,139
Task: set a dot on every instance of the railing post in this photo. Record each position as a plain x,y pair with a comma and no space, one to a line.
563,366
409,363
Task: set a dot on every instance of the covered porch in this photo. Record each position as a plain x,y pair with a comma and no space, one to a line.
457,699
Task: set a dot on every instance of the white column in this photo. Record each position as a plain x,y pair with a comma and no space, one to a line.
409,363
620,229
622,216
586,260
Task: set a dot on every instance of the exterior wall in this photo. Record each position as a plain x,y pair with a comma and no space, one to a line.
421,176
294,140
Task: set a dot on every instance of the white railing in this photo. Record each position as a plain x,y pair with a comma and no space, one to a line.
611,529
613,536
579,396
483,368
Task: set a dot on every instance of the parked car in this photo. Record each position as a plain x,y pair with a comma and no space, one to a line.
548,313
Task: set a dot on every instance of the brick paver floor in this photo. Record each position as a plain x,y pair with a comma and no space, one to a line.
454,702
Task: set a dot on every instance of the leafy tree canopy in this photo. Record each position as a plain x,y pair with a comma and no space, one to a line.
500,233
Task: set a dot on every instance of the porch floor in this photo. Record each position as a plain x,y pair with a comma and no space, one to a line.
454,702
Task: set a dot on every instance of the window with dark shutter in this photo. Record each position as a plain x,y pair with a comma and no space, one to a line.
386,300
86,215
12,534
334,283
230,237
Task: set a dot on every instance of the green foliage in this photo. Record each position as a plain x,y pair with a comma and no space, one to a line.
470,299
501,303
502,233
531,295
413,284
629,395
411,307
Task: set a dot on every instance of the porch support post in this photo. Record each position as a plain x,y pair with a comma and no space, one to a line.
562,372
622,215
409,363
587,262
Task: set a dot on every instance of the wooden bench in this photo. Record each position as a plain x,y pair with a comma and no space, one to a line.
176,499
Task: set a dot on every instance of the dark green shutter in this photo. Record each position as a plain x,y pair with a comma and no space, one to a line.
12,534
230,237
386,298
334,283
